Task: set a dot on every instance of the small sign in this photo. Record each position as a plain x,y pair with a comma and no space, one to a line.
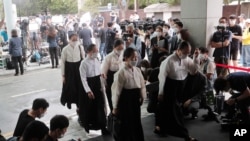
109,6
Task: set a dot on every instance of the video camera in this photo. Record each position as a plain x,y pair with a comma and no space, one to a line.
126,36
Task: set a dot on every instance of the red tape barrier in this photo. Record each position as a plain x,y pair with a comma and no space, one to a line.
233,67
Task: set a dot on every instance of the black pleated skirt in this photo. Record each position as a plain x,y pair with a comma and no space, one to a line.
129,113
72,88
92,112
171,119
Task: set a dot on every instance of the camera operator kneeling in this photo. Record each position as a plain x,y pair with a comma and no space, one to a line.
239,81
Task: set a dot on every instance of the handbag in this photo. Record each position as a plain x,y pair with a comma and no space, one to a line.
113,125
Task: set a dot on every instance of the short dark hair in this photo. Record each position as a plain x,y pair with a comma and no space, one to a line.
14,33
35,129
59,122
118,42
183,45
179,23
90,47
128,53
84,24
160,28
110,24
40,103
72,34
219,84
175,20
145,63
223,18
167,25
203,50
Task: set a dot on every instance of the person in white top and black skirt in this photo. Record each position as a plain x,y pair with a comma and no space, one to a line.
128,93
110,66
92,102
173,73
72,54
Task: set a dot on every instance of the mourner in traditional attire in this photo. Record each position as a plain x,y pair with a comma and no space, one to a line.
173,72
110,66
71,58
92,104
129,92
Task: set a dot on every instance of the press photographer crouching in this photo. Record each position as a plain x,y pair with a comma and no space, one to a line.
220,41
238,81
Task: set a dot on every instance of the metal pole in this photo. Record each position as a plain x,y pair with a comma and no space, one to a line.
9,18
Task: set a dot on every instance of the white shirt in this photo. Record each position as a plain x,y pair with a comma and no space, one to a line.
71,54
127,78
176,68
111,62
89,68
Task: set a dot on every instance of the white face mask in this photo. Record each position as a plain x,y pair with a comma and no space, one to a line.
232,22
176,30
73,43
202,57
143,68
133,63
94,55
165,30
155,33
183,56
61,136
179,36
119,52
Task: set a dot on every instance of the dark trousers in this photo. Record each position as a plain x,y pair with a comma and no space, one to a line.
16,60
53,51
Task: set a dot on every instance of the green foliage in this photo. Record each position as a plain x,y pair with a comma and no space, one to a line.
90,6
33,7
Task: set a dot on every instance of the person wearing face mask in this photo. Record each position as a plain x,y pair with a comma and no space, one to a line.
92,100
236,39
71,58
58,127
221,41
172,76
158,50
38,110
176,38
128,93
110,66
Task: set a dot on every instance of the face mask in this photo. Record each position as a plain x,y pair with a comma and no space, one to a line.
119,52
176,30
183,56
73,43
179,36
42,115
133,63
165,30
232,22
94,55
143,68
201,57
155,33
159,34
61,136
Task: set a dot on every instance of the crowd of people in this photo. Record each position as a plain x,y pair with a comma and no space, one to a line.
120,69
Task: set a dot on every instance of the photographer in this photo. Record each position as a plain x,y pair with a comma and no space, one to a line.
133,40
239,81
110,38
220,41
